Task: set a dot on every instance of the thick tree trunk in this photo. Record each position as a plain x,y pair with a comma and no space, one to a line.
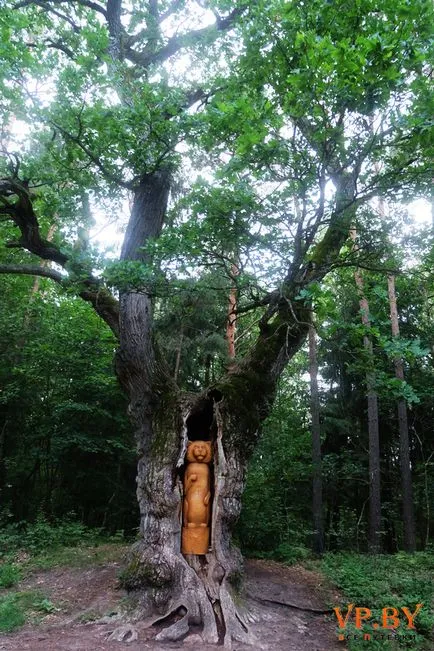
189,590
404,448
192,590
317,505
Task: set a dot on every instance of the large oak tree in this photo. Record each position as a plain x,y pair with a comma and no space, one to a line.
321,104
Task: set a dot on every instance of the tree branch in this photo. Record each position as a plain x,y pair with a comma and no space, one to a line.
153,9
94,158
84,3
22,213
45,5
179,42
32,270
87,286
58,45
114,10
103,302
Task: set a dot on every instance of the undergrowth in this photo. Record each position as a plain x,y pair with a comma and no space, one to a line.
10,574
18,607
26,547
41,535
284,553
375,582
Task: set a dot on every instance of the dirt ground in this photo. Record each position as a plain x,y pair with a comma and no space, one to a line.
88,604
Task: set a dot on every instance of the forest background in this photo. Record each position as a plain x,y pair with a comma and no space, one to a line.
255,181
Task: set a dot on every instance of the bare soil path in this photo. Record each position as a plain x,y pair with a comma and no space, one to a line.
88,606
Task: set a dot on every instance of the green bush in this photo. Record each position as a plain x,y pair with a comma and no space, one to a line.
41,535
376,582
11,614
289,554
9,575
15,608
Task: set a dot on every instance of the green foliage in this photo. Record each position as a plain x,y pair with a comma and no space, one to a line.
290,553
46,606
66,438
273,520
378,581
95,552
190,326
9,574
40,536
18,607
11,614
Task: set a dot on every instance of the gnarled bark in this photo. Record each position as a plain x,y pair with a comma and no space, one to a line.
188,590
196,590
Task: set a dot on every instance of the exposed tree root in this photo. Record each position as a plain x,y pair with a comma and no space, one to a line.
204,600
221,621
317,611
126,633
196,609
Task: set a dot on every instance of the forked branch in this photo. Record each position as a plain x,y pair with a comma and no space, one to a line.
16,204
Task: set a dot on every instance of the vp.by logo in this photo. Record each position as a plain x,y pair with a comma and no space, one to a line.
390,618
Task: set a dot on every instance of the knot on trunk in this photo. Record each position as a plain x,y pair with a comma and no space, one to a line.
143,570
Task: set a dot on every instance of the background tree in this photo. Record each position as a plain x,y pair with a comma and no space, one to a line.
66,444
373,423
404,451
317,504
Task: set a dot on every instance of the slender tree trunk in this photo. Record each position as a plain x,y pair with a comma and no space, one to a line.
317,505
33,292
404,448
178,354
373,428
207,375
232,307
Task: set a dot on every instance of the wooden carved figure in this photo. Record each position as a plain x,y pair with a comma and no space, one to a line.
197,498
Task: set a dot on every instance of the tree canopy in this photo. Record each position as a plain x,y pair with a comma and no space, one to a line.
240,150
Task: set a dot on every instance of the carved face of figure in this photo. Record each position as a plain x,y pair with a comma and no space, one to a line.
199,451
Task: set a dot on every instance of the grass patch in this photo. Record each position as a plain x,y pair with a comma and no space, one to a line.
375,582
11,614
10,574
25,547
17,608
89,556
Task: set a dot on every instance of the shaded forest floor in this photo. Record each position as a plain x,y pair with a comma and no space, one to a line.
75,605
